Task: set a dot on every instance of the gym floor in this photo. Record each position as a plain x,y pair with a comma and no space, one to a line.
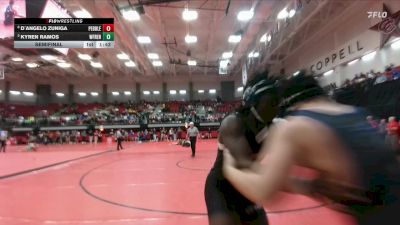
149,183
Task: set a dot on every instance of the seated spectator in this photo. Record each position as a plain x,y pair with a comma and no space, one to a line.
382,127
396,73
372,122
388,74
380,78
392,137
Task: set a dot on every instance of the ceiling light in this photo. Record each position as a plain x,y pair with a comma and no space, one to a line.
223,63
32,65
328,72
15,92
84,56
190,39
59,94
82,94
291,13
157,63
369,56
153,56
17,59
212,91
122,56
64,65
240,89
94,94
127,93
200,91
182,92
192,62
263,38
227,55
115,93
223,67
82,14
172,92
130,15
254,54
156,92
396,44
352,62
130,64
245,15
48,57
283,14
96,64
146,92
234,38
144,39
189,15
296,73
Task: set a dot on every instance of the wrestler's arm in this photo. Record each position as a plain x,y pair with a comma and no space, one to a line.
232,138
261,182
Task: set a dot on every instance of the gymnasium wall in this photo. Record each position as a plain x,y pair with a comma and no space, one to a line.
350,30
89,85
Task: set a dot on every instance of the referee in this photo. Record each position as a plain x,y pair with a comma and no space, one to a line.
192,133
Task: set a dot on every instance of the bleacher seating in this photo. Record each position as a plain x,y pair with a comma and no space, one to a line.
382,100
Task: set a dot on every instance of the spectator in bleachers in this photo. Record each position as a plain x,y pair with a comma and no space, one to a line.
388,74
380,78
382,127
392,137
372,122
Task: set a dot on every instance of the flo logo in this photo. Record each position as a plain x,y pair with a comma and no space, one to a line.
389,26
380,15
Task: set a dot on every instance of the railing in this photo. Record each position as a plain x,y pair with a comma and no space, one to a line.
135,126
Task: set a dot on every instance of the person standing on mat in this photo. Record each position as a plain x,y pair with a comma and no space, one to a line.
3,140
356,170
119,140
192,133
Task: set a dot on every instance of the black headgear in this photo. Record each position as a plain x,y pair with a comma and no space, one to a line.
298,89
252,94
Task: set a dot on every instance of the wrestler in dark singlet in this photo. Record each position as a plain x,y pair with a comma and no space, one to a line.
239,131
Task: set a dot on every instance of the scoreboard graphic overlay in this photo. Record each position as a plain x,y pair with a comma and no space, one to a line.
64,33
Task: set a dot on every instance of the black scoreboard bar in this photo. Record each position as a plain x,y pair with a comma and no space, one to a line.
64,33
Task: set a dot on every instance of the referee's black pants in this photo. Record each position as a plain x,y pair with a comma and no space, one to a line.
119,144
193,145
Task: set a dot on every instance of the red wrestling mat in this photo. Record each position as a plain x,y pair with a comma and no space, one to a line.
151,183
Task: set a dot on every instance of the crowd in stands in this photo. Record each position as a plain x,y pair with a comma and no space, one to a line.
389,129
115,113
391,73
